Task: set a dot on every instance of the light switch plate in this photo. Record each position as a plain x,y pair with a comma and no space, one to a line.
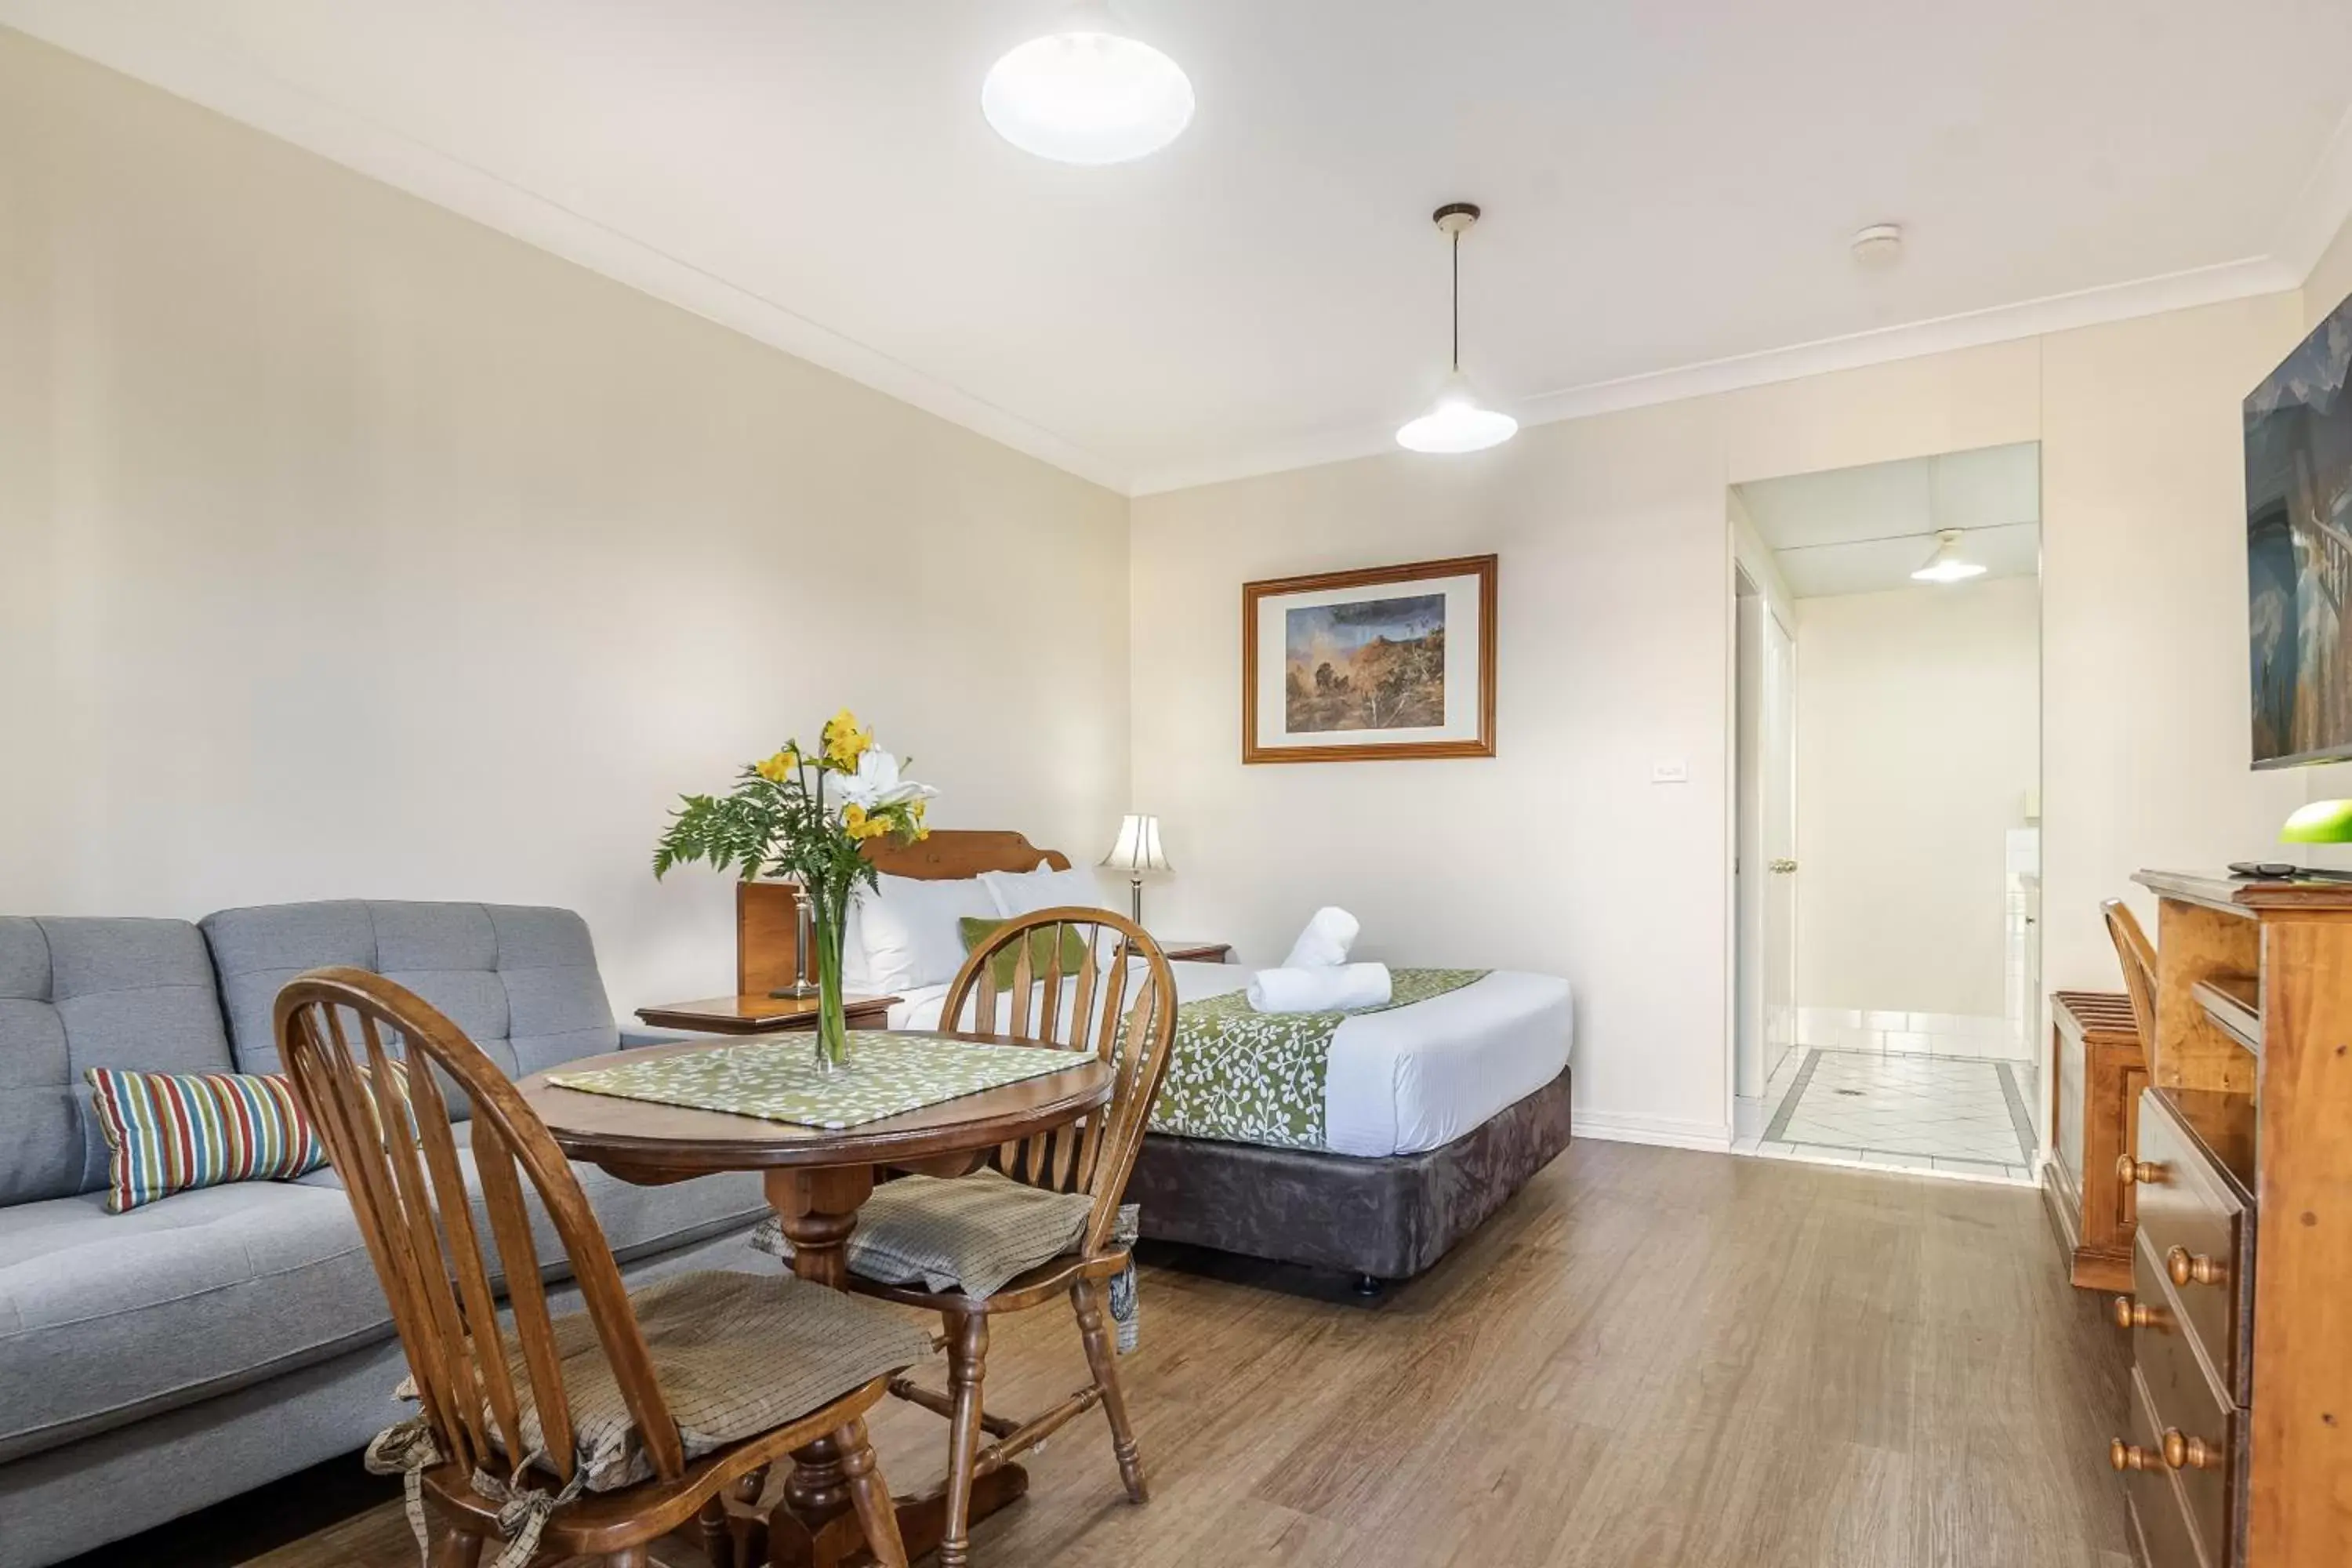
1670,772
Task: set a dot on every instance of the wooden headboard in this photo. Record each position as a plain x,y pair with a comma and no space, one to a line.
767,927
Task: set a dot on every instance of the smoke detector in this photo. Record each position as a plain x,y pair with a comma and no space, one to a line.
1880,245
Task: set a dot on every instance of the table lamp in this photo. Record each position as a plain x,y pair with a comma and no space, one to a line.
1137,851
2321,822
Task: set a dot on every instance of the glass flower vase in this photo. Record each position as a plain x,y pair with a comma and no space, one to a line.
832,1022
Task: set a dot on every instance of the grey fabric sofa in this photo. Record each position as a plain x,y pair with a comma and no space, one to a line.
155,1362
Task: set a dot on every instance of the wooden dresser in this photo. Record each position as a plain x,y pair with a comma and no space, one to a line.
2238,1448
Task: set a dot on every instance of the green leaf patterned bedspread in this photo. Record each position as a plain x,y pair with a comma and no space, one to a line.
1258,1078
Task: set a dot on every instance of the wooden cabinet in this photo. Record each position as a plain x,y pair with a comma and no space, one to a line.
2238,1451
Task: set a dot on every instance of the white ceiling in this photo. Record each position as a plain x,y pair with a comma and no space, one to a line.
1864,529
1668,187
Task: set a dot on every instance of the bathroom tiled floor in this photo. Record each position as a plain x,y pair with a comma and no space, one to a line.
1955,1115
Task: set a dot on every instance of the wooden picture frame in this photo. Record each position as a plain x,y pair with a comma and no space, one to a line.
1442,698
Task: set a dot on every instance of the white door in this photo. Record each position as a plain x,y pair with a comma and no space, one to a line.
1777,743
1747,851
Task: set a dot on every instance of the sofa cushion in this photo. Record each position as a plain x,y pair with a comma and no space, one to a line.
167,1132
80,993
638,1222
520,981
106,1318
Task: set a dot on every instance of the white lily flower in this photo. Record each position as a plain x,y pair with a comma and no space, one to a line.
876,783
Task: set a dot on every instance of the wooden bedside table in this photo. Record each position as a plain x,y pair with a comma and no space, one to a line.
763,1015
1198,952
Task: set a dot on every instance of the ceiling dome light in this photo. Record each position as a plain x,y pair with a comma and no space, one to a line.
1455,423
1946,565
1087,93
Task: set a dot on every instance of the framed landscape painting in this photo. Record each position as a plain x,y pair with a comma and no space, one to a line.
1350,667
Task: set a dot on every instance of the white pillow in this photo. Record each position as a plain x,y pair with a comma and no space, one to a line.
909,931
1019,893
857,977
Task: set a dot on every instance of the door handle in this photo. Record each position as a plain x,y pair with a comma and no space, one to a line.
1782,868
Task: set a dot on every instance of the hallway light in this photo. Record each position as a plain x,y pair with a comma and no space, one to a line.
1946,565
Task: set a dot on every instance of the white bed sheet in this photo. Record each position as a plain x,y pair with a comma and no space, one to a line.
1411,1079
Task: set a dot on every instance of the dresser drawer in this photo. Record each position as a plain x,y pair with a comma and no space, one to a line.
2168,1539
2198,1430
2197,1234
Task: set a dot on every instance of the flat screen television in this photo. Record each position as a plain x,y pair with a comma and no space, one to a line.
2299,551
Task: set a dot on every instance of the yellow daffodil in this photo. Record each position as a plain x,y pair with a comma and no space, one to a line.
859,826
780,767
845,742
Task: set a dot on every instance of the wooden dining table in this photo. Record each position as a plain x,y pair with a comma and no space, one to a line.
816,1179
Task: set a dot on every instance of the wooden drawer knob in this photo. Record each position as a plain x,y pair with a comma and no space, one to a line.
2131,1314
2126,1455
2190,1453
2128,1171
2189,1267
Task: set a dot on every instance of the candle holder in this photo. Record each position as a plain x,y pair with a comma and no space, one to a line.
803,985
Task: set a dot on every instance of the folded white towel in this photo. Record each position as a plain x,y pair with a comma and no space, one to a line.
1325,942
1332,988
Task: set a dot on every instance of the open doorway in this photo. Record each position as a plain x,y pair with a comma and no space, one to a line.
1886,758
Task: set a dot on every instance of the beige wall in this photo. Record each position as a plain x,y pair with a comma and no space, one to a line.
349,548
2330,282
1559,854
1918,738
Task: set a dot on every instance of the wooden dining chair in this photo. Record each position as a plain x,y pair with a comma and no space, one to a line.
1068,979
595,1432
2137,955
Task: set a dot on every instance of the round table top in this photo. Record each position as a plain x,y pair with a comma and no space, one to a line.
645,1137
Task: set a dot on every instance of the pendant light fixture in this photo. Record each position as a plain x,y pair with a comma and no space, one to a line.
1456,422
1087,93
1946,564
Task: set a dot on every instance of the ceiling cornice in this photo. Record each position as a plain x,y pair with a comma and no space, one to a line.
190,67
1974,329
181,62
2321,208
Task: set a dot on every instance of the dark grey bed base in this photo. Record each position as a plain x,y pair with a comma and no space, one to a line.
1376,1218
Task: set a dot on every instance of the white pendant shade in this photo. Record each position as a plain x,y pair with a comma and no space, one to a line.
1087,94
1457,423
1946,565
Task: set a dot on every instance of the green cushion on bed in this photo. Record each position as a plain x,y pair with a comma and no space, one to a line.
976,933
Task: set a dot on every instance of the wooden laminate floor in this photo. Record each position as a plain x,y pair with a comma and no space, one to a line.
1650,1359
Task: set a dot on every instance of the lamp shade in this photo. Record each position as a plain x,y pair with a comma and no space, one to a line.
1138,848
2321,822
1457,423
1948,564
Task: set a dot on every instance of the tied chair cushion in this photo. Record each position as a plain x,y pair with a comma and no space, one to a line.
735,1354
971,1233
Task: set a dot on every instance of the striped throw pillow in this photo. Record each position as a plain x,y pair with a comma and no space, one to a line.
167,1132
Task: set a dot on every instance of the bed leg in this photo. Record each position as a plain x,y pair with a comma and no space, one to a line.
1368,1286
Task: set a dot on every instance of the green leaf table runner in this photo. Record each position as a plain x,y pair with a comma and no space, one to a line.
1244,1077
778,1080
